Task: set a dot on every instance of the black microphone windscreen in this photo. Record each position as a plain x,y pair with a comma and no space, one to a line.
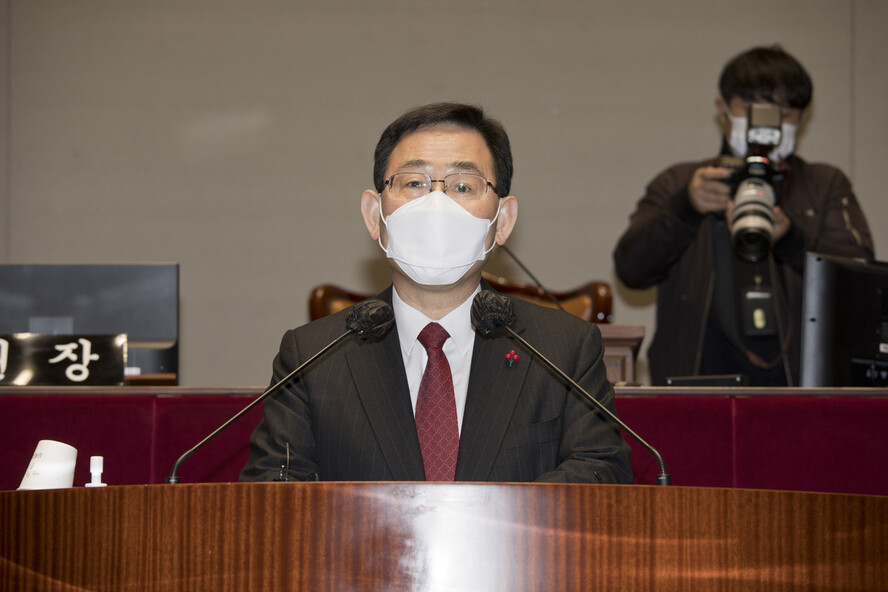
370,318
491,312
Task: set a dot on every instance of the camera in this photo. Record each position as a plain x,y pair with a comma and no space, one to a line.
753,182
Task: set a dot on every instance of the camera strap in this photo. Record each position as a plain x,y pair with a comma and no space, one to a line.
723,305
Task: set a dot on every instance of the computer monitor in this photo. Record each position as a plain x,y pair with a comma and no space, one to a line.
844,322
141,300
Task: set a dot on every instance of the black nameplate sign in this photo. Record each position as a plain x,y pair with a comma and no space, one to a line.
30,359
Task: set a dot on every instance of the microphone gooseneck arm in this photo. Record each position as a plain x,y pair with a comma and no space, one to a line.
370,318
492,314
663,478
173,478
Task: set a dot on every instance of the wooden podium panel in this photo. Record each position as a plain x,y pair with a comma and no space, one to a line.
424,537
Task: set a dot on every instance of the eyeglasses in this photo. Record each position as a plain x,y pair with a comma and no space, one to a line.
458,186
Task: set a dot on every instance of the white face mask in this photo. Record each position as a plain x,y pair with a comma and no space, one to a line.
434,240
787,142
737,140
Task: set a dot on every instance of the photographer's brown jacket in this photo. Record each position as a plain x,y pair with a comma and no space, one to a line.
669,245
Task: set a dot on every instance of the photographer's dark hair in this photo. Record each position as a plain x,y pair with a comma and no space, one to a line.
768,74
448,114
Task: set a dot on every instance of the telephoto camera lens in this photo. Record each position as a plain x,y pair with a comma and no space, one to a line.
752,222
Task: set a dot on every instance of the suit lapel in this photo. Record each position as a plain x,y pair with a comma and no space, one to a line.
493,393
379,378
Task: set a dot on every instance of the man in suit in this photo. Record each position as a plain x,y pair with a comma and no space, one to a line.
432,400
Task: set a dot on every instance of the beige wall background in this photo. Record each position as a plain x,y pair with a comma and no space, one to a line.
235,137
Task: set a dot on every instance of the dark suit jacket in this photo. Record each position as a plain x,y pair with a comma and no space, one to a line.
349,417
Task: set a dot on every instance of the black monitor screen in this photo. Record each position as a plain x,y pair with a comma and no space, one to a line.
844,322
141,300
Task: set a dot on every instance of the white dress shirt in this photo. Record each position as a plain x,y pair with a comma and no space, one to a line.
458,348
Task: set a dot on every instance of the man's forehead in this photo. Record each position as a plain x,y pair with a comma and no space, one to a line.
442,133
739,103
451,147
778,97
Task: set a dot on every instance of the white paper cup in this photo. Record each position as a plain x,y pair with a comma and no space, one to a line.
51,467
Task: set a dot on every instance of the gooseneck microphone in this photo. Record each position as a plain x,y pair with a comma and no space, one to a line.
492,314
369,318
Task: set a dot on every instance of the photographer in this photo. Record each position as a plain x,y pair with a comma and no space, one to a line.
721,310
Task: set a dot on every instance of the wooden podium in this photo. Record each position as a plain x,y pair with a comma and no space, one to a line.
425,537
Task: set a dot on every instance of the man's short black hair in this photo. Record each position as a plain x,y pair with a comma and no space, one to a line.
448,114
766,74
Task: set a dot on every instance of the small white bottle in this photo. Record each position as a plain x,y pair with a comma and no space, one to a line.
96,466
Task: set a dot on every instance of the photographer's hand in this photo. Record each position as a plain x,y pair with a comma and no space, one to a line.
707,193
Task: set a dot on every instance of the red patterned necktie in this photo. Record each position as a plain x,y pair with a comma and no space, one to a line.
436,409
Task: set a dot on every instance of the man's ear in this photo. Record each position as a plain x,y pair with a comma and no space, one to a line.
370,212
508,216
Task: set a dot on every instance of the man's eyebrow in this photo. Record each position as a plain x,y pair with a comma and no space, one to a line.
459,165
468,166
414,164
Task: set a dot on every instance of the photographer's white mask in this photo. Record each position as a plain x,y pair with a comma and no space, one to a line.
434,240
737,139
